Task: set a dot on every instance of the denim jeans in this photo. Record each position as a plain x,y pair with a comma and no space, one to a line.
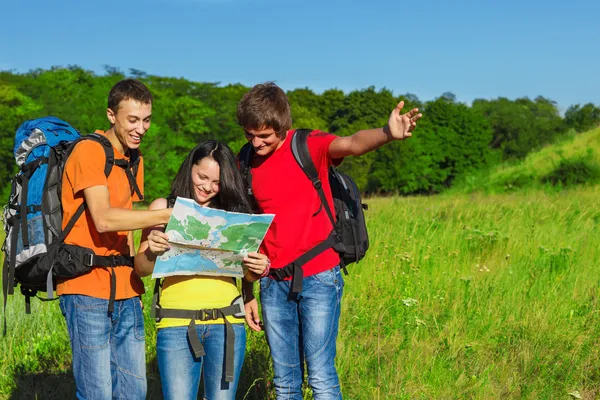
180,370
304,330
109,359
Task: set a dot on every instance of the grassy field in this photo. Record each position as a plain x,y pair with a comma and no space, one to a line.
460,297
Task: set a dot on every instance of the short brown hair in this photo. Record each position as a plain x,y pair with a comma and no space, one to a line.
265,106
128,89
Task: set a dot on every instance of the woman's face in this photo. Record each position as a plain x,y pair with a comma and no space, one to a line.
205,177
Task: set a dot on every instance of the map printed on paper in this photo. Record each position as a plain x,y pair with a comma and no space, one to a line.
206,241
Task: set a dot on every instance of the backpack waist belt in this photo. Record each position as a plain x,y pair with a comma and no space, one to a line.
236,309
294,269
93,260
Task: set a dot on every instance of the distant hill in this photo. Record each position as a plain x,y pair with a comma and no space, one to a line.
572,161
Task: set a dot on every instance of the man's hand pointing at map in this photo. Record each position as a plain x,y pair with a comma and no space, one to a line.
158,242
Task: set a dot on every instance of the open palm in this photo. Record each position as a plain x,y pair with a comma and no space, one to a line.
401,125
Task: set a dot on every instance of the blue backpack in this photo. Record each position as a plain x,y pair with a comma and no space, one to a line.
35,255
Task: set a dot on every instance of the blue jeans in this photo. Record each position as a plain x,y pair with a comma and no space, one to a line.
180,370
109,359
304,330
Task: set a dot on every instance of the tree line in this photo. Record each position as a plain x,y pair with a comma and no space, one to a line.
452,139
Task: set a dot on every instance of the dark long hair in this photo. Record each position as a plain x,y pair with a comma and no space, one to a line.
232,194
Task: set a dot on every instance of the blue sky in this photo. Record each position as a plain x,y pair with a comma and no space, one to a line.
475,49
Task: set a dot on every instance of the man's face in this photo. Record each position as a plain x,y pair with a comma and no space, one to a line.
265,141
130,122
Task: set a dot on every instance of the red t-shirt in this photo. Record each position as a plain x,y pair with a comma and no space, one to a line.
282,188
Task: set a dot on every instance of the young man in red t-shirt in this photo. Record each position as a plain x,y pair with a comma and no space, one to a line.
303,327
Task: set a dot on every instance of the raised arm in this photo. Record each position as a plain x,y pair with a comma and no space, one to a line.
399,126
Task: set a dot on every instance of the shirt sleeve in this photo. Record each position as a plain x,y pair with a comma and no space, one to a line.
318,145
85,166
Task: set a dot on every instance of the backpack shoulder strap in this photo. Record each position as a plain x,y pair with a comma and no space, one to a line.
171,202
110,158
245,160
127,166
108,150
302,156
131,169
110,161
135,164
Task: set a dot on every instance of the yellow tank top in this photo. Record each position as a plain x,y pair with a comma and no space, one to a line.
197,293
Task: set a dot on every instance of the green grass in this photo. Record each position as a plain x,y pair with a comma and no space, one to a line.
464,296
475,297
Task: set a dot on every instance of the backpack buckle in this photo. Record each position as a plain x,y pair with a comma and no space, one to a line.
88,260
206,314
213,314
317,184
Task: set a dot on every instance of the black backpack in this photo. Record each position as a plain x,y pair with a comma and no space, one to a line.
35,255
349,235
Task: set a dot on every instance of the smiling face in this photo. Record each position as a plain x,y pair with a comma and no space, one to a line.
265,141
205,178
130,123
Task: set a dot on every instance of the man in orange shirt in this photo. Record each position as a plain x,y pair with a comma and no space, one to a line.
102,308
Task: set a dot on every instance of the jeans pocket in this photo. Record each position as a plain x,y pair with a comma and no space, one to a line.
340,277
265,283
92,320
172,339
61,305
139,319
331,277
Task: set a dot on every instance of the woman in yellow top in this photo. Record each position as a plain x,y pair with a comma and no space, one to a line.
209,175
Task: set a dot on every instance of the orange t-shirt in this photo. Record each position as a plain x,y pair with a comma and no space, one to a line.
85,168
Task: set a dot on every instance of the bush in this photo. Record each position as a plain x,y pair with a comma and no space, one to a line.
574,171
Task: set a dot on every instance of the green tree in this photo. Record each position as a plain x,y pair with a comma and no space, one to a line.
522,125
450,141
582,118
178,125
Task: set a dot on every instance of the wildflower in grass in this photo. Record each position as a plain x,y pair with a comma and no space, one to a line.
406,257
409,302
